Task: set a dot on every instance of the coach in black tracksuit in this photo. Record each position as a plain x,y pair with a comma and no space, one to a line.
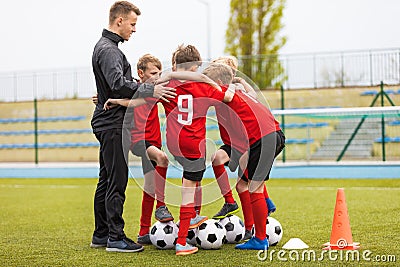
113,78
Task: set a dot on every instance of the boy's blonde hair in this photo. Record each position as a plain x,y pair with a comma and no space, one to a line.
219,73
231,61
148,58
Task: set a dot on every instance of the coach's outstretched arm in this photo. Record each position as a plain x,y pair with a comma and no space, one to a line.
112,102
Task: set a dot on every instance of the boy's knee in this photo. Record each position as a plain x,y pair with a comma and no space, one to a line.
162,159
219,157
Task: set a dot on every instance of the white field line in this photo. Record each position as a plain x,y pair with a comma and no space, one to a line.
328,188
310,188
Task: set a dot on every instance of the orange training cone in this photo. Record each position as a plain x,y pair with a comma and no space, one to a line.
341,237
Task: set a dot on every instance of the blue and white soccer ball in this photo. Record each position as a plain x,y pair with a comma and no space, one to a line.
274,231
164,235
211,234
234,227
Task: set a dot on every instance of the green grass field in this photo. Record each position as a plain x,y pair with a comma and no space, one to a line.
49,222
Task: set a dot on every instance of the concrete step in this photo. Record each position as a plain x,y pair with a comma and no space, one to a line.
343,142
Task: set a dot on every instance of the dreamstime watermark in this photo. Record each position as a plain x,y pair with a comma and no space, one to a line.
331,255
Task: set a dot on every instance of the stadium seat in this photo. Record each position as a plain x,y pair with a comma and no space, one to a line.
394,123
299,141
305,125
390,92
42,119
388,140
50,145
30,132
370,92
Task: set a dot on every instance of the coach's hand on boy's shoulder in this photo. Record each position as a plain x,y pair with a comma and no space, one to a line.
162,92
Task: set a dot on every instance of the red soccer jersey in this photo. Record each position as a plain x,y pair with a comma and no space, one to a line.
257,119
231,128
147,124
186,117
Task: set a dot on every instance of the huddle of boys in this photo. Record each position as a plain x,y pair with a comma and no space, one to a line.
251,140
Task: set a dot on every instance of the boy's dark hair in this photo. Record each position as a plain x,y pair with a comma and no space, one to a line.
187,56
122,9
148,58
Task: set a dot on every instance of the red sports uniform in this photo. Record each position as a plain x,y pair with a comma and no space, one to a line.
146,117
244,116
256,118
186,117
259,123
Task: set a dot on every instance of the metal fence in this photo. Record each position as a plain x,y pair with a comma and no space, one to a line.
354,68
318,70
52,84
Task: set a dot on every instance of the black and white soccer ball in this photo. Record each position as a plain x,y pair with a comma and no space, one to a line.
191,237
274,231
192,234
164,235
234,227
211,235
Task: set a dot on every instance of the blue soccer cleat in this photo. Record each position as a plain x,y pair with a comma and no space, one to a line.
271,206
185,250
254,244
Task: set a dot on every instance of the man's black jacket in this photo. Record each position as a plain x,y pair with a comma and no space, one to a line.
113,76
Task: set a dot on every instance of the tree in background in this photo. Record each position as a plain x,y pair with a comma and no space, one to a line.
253,36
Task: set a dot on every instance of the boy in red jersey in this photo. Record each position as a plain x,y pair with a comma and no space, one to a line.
186,132
146,143
229,156
265,141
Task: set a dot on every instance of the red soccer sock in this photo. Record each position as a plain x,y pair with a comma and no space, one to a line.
160,175
223,183
198,197
265,192
260,212
185,214
147,210
247,209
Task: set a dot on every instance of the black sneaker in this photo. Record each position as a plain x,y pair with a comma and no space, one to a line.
144,239
162,214
99,242
124,245
247,235
227,209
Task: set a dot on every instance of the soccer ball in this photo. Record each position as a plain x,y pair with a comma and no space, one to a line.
192,234
274,231
211,234
234,227
164,235
191,237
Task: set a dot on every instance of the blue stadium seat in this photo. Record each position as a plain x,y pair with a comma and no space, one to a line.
388,140
390,92
42,119
62,131
305,125
299,141
50,145
394,123
370,92
212,127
